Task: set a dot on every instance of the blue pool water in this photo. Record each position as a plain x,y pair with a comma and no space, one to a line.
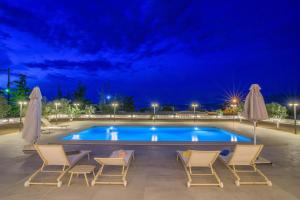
155,134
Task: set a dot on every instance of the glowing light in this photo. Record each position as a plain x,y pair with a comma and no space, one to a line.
195,138
115,104
153,128
196,128
154,105
154,138
22,103
108,97
233,138
194,105
7,90
293,104
114,136
76,137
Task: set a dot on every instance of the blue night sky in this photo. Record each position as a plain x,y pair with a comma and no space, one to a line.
165,50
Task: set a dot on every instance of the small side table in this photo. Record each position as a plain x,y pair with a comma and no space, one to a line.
82,169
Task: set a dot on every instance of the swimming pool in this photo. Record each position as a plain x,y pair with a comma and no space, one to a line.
155,134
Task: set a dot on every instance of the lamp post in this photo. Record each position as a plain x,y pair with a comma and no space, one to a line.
194,105
56,110
76,105
114,105
294,105
21,104
154,105
233,105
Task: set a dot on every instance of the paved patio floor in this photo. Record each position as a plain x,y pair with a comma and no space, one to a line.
155,173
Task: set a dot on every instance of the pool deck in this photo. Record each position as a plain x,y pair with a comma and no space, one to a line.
155,173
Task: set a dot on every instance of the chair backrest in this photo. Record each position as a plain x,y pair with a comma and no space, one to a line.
53,154
111,161
245,154
46,122
202,158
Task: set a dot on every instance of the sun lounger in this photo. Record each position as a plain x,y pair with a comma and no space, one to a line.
200,159
54,155
242,156
48,125
120,158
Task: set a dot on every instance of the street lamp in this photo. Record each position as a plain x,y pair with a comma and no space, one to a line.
56,109
21,104
294,105
233,106
194,105
115,105
154,105
76,105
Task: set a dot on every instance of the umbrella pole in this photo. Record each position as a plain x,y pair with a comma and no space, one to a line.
254,130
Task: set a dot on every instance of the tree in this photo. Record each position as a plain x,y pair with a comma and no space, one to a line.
167,108
89,110
128,104
59,94
20,93
79,94
50,108
277,112
105,108
4,107
73,111
219,112
240,109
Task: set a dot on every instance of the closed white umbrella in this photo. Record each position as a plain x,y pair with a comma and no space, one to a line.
255,108
32,123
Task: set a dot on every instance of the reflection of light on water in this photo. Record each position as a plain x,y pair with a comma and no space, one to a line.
233,138
194,138
196,128
109,129
114,136
153,128
76,137
154,138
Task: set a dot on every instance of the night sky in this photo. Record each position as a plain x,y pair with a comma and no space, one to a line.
166,50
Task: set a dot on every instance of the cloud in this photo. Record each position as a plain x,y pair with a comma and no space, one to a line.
4,59
90,65
131,28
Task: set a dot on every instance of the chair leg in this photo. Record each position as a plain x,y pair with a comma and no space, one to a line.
27,183
97,175
71,176
86,179
216,176
269,183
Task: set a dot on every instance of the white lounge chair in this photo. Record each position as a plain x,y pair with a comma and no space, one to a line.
245,155
114,160
202,159
54,155
48,125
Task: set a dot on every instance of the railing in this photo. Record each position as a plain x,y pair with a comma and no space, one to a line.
146,117
9,121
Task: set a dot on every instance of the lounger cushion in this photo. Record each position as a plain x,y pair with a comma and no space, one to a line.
226,158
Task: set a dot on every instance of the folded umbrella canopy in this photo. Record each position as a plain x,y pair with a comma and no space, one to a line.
32,123
255,108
